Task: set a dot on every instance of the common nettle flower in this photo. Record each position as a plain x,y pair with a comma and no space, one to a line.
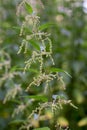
32,35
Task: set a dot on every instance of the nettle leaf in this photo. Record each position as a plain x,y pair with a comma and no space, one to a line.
16,122
35,44
16,101
15,68
16,28
47,25
28,8
33,70
37,97
59,70
44,128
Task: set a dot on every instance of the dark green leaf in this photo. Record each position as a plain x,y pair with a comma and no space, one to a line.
16,101
17,122
28,8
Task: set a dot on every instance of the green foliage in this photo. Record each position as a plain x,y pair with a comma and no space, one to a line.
40,106
59,70
35,44
28,8
42,98
44,128
46,25
16,122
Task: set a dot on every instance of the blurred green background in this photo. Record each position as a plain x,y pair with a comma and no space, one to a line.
69,39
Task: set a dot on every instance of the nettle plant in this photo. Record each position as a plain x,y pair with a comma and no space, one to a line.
34,108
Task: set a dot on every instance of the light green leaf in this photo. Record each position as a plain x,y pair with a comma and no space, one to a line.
28,8
33,70
15,68
46,25
37,97
44,128
59,70
35,44
16,27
